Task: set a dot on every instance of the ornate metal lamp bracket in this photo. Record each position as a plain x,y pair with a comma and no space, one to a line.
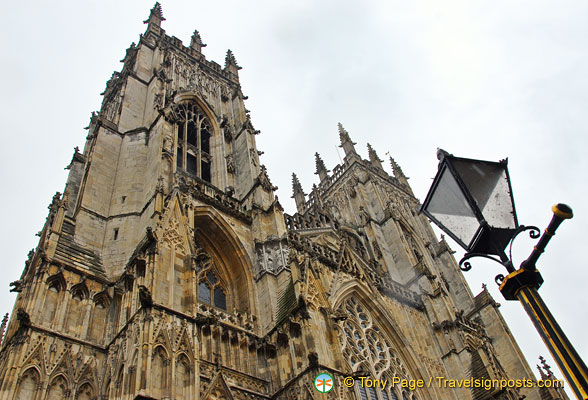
503,260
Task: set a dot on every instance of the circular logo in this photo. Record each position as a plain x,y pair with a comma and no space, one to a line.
323,383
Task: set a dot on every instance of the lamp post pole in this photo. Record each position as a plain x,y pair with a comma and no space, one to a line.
562,351
522,285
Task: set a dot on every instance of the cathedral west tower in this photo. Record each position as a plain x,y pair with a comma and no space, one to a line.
167,268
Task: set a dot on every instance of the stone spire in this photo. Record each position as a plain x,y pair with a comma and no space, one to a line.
321,170
156,16
298,193
196,42
374,159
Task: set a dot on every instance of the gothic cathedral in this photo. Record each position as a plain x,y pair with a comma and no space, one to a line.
168,269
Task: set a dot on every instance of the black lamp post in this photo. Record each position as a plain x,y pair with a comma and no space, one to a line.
471,200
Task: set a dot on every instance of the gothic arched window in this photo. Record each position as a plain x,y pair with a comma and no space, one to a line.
194,134
367,348
210,289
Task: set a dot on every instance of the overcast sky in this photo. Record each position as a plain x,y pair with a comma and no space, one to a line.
480,79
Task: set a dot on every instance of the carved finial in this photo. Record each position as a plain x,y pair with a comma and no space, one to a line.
321,169
546,366
196,42
374,159
156,15
230,60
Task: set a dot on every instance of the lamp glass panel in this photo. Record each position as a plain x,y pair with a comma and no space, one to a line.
450,207
488,185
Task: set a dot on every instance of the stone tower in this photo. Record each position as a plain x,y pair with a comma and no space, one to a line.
167,269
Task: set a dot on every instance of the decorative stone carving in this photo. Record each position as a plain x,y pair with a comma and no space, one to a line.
271,257
230,164
189,76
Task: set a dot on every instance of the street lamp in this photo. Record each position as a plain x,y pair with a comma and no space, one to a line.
471,200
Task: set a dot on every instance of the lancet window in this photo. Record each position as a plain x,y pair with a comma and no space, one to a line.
193,146
366,348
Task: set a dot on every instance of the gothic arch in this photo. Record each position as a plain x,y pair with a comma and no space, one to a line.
159,349
398,344
184,345
160,371
85,391
58,387
182,377
80,291
28,384
233,260
57,282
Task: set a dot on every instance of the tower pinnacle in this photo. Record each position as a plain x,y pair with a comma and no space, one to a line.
298,193
398,173
545,366
196,42
374,159
321,170
231,64
346,143
230,60
296,186
155,16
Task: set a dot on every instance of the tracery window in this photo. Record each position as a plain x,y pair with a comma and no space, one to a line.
210,289
366,348
194,134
